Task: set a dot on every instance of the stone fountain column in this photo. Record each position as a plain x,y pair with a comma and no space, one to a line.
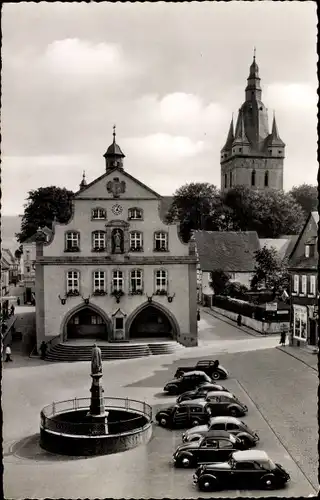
97,413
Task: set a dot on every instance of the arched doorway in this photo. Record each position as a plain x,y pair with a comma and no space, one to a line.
151,322
86,323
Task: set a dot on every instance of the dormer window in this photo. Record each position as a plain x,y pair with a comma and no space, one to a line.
135,214
307,251
98,214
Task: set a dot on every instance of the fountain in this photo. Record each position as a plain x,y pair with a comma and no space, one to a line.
95,425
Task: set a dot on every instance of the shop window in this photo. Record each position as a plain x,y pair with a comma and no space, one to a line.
300,323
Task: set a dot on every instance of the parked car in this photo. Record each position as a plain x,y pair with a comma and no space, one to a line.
185,414
251,469
216,446
225,403
229,424
210,367
200,392
187,382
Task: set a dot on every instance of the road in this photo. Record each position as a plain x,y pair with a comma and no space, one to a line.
279,391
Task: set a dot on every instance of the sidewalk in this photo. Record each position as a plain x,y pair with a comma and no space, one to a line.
306,357
229,321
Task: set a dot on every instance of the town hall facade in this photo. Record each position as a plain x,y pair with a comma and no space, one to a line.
116,271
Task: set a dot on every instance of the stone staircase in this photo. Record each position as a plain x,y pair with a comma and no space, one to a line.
72,352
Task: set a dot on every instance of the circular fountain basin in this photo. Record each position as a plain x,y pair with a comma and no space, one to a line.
66,428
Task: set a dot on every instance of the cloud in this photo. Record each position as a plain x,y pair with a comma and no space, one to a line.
291,95
81,58
161,147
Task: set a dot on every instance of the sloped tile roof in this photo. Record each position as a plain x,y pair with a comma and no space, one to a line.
283,245
229,251
165,204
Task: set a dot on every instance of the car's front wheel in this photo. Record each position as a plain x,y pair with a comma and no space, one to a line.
208,483
234,412
185,460
246,442
195,422
269,482
163,420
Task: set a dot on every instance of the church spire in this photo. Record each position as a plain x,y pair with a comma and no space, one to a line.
253,89
83,183
230,137
114,156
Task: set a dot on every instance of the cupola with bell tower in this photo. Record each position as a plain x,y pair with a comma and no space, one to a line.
114,156
252,156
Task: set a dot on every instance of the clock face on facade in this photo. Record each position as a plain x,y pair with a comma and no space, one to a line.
117,209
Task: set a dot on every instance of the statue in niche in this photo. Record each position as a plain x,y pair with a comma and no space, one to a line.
117,241
96,360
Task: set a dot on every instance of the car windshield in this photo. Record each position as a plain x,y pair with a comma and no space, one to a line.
270,465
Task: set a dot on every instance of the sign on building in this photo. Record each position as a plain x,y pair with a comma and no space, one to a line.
271,306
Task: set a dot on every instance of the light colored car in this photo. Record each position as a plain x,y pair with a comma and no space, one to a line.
225,403
224,423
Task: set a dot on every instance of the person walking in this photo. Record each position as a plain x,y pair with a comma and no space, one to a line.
8,354
239,320
12,310
18,301
283,338
43,349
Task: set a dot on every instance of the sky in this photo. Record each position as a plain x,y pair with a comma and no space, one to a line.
168,75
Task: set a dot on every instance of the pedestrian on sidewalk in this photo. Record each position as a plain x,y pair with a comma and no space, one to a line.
8,354
283,338
12,310
18,301
239,320
43,349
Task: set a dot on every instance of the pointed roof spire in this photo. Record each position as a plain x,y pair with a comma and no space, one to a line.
114,134
83,183
274,138
230,137
254,68
240,134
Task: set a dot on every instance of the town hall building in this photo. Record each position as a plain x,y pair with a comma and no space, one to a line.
116,271
252,156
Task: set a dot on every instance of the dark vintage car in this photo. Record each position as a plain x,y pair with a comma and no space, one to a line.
208,366
229,424
216,446
225,403
245,470
185,414
187,382
201,392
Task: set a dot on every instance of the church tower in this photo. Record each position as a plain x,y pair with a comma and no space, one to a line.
252,156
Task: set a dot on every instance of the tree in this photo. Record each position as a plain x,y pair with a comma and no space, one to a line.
194,207
219,281
236,290
271,213
270,271
306,196
42,207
